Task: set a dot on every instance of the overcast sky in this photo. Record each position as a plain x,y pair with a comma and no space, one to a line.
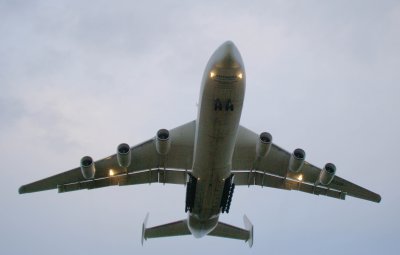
80,77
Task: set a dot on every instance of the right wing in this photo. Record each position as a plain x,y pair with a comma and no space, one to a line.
272,171
147,166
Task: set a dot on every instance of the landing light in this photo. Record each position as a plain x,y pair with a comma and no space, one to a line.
240,75
212,74
111,172
300,177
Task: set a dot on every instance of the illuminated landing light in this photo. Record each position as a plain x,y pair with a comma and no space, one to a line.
240,75
300,177
212,74
111,172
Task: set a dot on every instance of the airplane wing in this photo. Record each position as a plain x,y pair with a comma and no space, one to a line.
272,171
147,166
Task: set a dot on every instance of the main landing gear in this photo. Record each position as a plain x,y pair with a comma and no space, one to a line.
227,194
190,193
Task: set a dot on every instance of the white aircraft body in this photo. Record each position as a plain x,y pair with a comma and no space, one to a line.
209,155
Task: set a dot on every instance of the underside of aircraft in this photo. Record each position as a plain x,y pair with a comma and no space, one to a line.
210,156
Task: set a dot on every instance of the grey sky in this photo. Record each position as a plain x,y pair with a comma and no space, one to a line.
80,77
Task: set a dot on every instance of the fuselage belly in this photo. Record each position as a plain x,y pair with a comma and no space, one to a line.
220,107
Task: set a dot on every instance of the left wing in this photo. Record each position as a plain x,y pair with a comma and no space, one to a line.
272,171
147,166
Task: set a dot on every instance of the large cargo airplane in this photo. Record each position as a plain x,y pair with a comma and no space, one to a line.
210,155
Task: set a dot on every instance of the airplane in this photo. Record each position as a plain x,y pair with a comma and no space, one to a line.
210,156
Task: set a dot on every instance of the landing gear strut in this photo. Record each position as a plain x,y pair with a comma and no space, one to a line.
227,194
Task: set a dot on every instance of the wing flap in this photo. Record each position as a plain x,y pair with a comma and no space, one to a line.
266,180
173,176
144,177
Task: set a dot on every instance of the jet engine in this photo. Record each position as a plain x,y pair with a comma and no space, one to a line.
296,160
87,167
124,155
263,144
163,143
327,174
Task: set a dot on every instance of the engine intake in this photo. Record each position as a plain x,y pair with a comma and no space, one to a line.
163,143
87,167
296,160
327,174
263,144
124,155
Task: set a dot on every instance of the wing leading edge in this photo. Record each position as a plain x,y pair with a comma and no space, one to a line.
272,171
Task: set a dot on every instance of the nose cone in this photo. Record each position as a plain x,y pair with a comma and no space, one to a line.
227,56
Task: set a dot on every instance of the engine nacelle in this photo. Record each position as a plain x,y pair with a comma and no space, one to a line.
124,155
163,143
327,174
87,167
263,144
296,160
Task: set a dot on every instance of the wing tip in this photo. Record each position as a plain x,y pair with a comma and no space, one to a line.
378,198
373,197
250,228
144,227
22,189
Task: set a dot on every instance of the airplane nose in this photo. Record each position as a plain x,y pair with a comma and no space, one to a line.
227,56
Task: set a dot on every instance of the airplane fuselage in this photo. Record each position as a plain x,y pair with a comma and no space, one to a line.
220,106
